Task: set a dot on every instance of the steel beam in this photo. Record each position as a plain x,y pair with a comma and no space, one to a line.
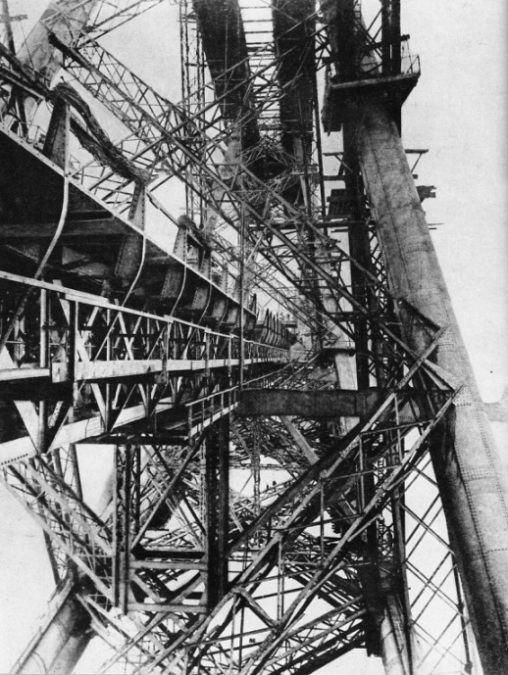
329,404
315,404
348,497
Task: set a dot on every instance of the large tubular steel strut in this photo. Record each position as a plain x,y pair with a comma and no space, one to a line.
60,642
472,483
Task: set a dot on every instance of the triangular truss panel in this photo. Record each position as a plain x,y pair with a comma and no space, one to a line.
236,418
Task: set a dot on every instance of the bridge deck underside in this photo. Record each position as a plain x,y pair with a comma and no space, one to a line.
253,517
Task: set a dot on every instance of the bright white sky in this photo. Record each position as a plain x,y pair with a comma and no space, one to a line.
459,111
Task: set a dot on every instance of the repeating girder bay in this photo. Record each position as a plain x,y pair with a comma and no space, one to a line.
246,195
287,517
155,121
186,567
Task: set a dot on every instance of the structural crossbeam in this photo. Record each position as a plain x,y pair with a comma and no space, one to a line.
270,490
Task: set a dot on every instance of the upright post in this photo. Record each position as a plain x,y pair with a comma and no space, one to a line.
472,482
242,300
217,491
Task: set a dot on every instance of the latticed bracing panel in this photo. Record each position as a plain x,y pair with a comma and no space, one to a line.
221,538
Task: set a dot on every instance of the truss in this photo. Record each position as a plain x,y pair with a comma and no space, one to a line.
224,542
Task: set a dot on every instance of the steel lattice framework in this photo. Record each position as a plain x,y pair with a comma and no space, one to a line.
230,538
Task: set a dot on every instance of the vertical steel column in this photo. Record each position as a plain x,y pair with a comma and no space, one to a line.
122,525
472,482
390,36
44,362
242,301
393,639
217,497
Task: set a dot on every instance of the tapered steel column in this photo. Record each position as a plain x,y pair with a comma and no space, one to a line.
60,642
472,481
393,640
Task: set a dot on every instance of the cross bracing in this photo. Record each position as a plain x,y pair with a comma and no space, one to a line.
225,542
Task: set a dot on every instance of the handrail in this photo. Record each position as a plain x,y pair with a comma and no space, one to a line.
90,299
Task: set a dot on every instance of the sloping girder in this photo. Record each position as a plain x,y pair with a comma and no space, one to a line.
298,543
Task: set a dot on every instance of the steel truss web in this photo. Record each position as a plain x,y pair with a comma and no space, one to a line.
225,543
